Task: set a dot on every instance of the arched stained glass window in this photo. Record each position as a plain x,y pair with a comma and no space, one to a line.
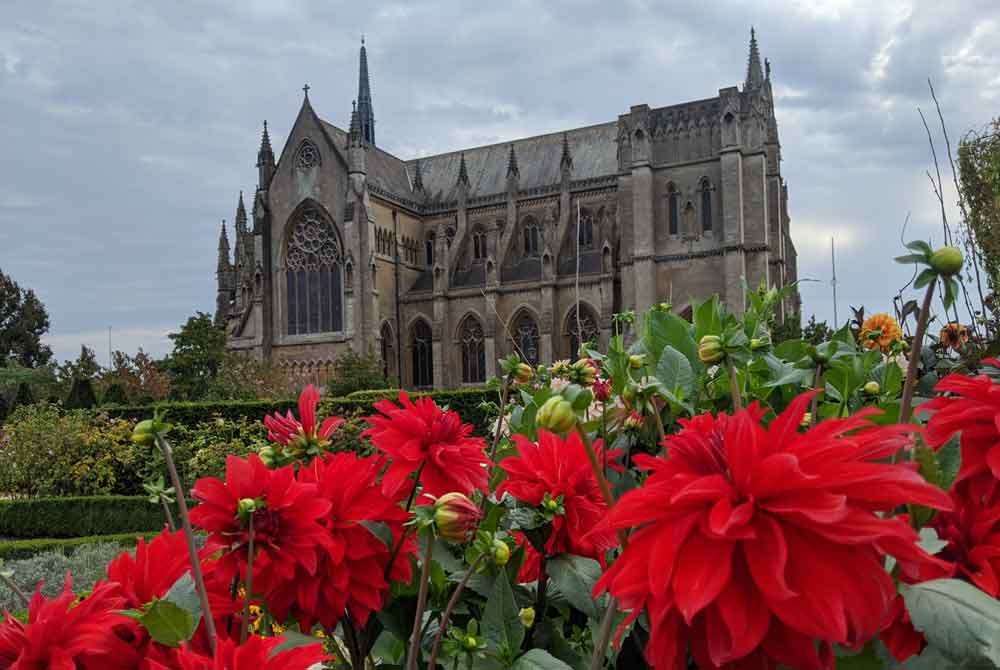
706,206
673,209
429,249
588,326
314,295
388,352
473,351
526,337
421,345
586,237
530,231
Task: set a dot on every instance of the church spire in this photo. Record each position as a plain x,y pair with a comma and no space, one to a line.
755,74
512,170
354,130
366,113
223,265
265,160
241,215
463,172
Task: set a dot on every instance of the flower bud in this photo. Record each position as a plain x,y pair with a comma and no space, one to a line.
142,434
456,517
247,506
500,552
523,373
584,372
556,415
947,261
634,420
872,388
636,361
601,390
710,349
757,343
561,369
527,616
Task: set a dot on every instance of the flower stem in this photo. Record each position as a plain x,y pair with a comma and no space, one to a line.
449,608
245,627
541,601
168,515
406,531
602,481
504,391
9,583
199,578
734,386
817,380
604,636
909,386
413,656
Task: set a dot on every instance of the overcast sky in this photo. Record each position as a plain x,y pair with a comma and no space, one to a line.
129,128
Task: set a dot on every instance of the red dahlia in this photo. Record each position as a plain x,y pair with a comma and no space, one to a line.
419,435
755,542
63,634
302,438
257,653
560,468
351,575
288,534
973,409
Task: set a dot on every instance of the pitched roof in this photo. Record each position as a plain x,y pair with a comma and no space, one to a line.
384,170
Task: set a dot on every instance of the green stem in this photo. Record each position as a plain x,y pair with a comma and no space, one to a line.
413,656
166,512
196,573
909,386
604,636
817,380
504,391
449,608
245,628
407,530
734,387
541,601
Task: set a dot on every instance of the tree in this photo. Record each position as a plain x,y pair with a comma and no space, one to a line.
84,367
356,372
23,321
138,379
81,394
199,348
979,174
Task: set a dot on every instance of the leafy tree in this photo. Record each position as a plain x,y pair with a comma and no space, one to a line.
114,394
84,367
979,174
246,377
353,371
199,348
138,379
23,321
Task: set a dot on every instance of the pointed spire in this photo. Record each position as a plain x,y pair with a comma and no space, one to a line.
265,153
366,111
463,172
512,170
223,265
755,74
354,131
418,177
566,161
241,215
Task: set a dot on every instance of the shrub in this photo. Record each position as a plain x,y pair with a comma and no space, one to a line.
81,395
353,371
18,549
23,395
86,565
114,394
79,516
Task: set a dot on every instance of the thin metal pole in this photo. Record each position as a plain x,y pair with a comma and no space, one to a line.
833,283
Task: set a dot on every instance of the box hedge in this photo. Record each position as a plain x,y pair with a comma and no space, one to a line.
12,550
81,516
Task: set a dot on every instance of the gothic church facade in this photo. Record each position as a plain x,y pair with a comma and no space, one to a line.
443,264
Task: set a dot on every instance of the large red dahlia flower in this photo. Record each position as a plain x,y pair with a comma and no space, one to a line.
257,653
560,468
287,530
421,436
351,576
974,410
301,438
755,542
63,634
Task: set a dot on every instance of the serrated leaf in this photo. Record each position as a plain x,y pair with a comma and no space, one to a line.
168,623
500,622
575,577
184,594
957,618
539,659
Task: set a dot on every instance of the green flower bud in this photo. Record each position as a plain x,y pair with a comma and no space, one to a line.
872,388
947,261
556,415
523,373
527,616
470,643
757,343
636,361
456,517
143,433
501,552
247,506
806,421
710,350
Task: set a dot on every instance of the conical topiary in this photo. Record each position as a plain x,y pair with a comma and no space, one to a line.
81,395
114,395
24,396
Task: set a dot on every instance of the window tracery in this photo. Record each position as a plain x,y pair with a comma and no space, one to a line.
473,351
307,156
314,294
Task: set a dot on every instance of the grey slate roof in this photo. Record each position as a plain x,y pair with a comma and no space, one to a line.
384,170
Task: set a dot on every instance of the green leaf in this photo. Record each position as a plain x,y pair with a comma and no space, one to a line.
663,328
707,318
949,459
539,659
168,623
500,622
184,594
957,618
910,258
866,659
292,639
920,247
674,371
925,278
380,530
575,577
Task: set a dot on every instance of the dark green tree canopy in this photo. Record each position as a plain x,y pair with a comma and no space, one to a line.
199,348
23,321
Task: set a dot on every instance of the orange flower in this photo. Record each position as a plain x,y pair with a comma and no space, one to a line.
954,335
880,330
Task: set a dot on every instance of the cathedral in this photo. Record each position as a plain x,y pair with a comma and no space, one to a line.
440,265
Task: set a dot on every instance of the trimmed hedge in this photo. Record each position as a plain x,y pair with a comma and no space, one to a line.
82,516
464,401
13,550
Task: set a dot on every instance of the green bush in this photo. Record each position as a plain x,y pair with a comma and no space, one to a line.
353,371
19,549
81,395
79,516
86,565
114,395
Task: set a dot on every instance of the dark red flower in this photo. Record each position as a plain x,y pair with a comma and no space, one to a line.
973,409
301,438
63,634
560,468
899,636
421,436
601,390
287,531
351,575
532,566
756,543
973,550
257,653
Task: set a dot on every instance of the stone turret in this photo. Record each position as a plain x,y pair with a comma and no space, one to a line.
265,160
224,278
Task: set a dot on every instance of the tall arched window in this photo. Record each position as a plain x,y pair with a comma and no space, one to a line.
423,354
673,209
478,245
586,237
312,275
388,352
588,327
706,206
429,249
526,337
473,351
530,229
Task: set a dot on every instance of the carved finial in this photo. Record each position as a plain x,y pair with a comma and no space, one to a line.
512,169
767,69
566,161
463,172
418,177
755,74
362,39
